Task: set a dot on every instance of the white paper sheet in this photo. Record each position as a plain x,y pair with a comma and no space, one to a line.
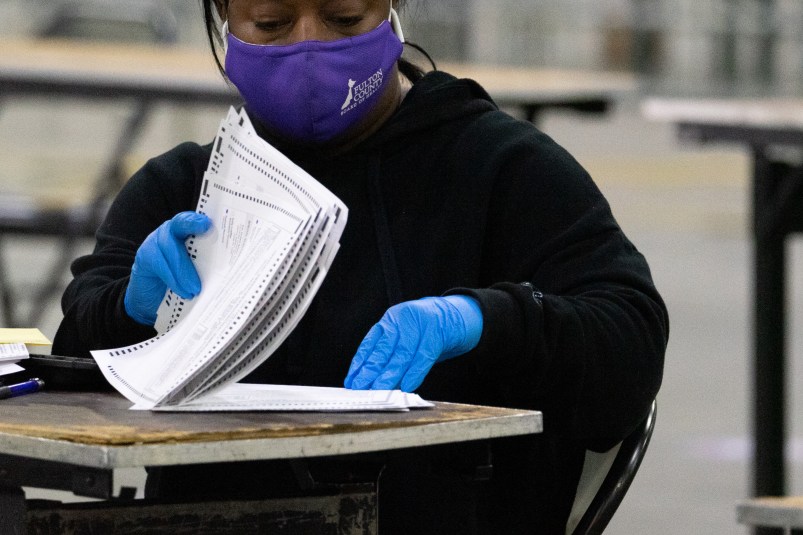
10,354
240,396
13,352
6,368
152,370
275,231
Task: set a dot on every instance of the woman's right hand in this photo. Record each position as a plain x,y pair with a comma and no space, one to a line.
162,262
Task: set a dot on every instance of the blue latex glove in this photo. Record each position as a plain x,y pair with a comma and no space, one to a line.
411,337
162,262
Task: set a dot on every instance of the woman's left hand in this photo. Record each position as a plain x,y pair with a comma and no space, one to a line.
411,337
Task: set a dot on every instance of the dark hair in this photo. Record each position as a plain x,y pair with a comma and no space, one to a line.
409,69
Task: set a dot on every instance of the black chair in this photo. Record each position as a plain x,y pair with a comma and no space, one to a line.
597,501
92,20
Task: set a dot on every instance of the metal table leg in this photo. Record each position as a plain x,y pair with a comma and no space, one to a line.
12,511
776,191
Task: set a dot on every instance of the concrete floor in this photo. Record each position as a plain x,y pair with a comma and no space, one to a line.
685,208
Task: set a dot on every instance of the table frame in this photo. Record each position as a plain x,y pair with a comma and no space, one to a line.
78,449
777,189
768,127
785,512
50,74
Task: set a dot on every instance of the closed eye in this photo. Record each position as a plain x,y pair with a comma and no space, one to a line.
271,25
347,22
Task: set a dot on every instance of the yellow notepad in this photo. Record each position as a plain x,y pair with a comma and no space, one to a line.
29,337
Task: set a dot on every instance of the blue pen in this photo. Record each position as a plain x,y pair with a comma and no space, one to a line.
28,387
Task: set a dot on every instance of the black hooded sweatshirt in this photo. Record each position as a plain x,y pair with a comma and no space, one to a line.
451,195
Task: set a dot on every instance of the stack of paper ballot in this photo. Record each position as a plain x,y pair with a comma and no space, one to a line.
275,232
15,345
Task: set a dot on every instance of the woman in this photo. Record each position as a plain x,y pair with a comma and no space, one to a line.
491,260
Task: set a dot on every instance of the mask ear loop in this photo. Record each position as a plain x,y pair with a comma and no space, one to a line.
224,35
394,21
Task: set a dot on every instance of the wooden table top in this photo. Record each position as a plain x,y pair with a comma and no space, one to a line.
176,72
99,430
101,69
777,113
522,85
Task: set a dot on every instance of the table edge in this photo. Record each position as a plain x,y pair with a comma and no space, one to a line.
769,512
352,442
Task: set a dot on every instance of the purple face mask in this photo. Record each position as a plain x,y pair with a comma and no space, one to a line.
313,91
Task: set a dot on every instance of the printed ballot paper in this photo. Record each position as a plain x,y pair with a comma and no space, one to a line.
16,344
275,231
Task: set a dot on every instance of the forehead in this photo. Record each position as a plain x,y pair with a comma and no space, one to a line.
332,4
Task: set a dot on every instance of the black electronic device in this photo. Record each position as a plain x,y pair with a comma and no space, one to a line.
61,372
